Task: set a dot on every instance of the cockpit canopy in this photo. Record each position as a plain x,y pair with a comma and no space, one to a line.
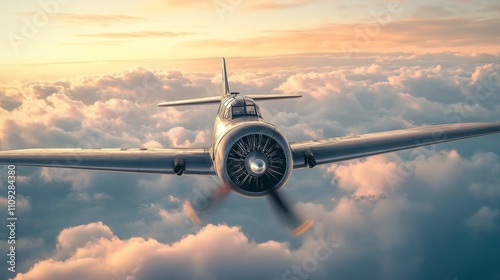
239,107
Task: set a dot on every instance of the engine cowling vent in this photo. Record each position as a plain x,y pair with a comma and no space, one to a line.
256,163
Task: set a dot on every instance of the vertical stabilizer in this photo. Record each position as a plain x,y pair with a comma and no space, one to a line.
225,85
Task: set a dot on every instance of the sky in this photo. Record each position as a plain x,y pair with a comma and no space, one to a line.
62,37
89,74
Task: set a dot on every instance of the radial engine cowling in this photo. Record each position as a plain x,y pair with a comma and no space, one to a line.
254,159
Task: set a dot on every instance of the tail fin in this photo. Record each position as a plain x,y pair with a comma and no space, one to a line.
225,92
225,85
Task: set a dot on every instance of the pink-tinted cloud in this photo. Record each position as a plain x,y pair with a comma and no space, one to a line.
372,177
277,5
132,35
408,34
181,137
70,240
258,5
92,250
99,19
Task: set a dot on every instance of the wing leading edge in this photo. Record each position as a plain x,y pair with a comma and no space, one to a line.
350,147
160,161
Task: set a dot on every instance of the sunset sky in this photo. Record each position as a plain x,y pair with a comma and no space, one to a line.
75,37
89,74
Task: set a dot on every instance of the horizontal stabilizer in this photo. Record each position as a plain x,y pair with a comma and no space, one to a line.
272,96
194,101
217,99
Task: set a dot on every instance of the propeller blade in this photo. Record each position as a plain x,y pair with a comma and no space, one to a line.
287,213
205,201
191,213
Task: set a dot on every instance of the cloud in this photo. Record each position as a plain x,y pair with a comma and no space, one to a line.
277,5
479,32
8,103
92,250
365,179
180,137
483,220
230,5
100,19
95,113
70,240
415,34
132,35
186,4
485,190
22,204
448,163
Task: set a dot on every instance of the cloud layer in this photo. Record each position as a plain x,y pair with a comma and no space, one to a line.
426,213
92,252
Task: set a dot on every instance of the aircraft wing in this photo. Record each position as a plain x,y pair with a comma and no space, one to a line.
160,161
357,146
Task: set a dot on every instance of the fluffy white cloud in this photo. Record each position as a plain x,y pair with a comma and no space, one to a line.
215,252
70,240
372,177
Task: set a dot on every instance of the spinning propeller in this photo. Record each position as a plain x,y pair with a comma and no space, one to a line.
257,166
